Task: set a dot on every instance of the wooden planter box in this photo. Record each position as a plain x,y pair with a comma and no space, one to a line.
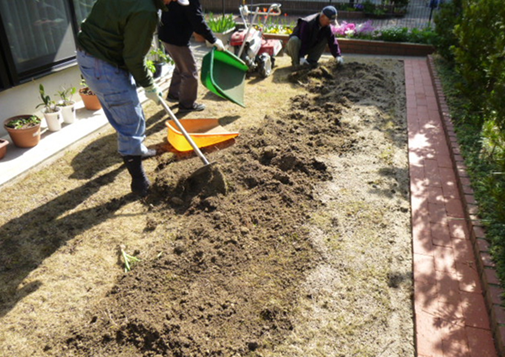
384,48
373,47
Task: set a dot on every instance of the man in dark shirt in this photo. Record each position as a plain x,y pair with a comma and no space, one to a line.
178,24
310,37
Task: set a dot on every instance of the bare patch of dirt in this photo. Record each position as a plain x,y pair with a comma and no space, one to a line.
306,253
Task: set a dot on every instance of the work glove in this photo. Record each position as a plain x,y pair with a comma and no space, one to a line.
304,62
219,45
153,93
340,60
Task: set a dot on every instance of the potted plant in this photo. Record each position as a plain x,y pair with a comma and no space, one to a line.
3,148
51,111
67,104
24,130
222,26
156,59
400,7
89,98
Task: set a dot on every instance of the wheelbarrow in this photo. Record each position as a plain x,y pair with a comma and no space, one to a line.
223,74
204,132
193,134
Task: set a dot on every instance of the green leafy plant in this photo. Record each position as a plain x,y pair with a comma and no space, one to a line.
401,3
221,23
493,141
445,20
424,35
47,102
368,7
480,57
129,260
379,12
24,123
65,95
157,55
396,34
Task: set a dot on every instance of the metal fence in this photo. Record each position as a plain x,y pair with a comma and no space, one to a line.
418,12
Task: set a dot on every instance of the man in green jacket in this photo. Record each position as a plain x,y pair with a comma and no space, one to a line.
111,49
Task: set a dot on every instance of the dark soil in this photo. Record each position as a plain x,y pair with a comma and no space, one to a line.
236,266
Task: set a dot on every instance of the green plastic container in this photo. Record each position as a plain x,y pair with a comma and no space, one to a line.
223,74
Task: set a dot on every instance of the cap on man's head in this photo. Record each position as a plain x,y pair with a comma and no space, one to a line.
331,13
183,2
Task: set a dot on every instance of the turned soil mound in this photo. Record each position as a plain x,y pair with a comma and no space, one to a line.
305,252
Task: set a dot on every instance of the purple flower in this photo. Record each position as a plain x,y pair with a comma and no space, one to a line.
366,27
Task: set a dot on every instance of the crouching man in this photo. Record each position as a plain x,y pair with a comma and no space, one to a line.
311,35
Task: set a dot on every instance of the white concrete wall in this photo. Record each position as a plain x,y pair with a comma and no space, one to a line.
24,98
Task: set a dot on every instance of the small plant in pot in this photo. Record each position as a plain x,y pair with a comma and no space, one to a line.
89,98
67,104
51,111
222,27
156,59
24,130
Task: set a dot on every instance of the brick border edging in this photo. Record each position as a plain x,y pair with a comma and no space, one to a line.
491,286
371,47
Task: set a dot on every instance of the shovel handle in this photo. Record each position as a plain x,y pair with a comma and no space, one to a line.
184,132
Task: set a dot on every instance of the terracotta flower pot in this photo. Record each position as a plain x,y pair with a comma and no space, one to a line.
198,37
23,138
3,148
91,102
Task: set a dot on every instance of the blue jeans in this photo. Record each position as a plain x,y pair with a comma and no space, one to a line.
116,90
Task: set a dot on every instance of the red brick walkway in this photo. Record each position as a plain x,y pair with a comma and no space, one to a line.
450,311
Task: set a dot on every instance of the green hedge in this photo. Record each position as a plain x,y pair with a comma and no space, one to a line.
471,35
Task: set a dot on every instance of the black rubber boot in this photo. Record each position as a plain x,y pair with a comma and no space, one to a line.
140,182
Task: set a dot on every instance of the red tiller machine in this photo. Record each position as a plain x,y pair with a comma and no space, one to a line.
249,44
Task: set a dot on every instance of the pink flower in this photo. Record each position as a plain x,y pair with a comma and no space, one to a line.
343,29
346,29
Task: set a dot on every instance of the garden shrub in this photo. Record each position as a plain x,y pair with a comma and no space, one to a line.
471,33
368,7
486,171
446,19
480,55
